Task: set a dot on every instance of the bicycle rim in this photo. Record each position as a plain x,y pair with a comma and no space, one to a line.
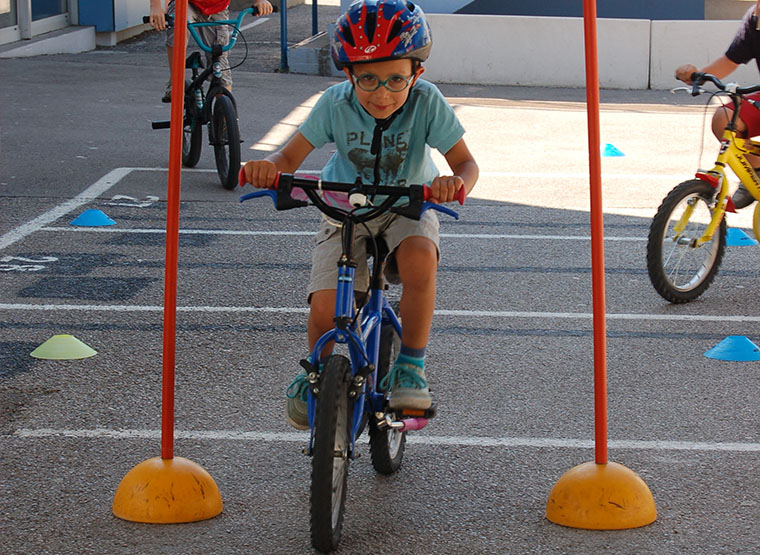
330,454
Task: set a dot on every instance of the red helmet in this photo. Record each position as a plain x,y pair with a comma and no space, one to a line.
377,30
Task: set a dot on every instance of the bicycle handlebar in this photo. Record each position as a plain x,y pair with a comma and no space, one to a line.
358,193
699,78
235,23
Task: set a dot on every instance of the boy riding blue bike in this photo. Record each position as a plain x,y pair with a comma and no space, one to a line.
383,120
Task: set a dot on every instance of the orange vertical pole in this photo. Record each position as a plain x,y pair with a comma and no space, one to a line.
597,232
172,230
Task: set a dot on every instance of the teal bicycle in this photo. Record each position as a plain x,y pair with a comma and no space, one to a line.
210,104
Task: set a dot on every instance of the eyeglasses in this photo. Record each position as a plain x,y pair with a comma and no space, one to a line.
394,83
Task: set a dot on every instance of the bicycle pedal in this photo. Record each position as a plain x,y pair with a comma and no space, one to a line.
417,413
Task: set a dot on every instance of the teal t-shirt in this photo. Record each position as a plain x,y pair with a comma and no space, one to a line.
426,121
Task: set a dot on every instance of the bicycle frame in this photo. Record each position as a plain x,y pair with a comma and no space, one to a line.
732,154
362,340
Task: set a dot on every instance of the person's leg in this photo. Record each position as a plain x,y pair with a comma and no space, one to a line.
321,298
218,35
192,15
414,263
321,311
747,125
417,261
321,314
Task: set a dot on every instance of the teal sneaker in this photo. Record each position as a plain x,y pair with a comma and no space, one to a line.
297,409
408,387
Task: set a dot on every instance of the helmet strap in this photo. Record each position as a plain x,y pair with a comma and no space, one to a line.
376,148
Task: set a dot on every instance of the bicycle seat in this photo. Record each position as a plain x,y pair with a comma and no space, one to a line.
382,248
195,60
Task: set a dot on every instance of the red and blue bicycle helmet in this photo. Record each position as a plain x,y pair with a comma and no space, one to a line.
378,30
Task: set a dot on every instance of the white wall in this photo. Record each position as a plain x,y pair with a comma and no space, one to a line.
695,42
550,51
541,51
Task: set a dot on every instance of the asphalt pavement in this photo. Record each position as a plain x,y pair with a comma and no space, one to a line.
510,358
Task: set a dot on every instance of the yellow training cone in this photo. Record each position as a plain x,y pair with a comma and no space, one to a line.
601,497
63,347
167,491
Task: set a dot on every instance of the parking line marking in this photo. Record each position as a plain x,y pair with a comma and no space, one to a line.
457,441
89,194
440,312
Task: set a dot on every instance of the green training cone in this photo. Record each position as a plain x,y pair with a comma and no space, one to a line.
63,347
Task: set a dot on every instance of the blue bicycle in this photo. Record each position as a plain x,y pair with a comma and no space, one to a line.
345,394
214,106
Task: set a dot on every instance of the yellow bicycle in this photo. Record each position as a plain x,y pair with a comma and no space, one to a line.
687,237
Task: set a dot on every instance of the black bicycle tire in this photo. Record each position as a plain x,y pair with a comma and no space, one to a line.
192,145
657,273
332,432
226,145
386,447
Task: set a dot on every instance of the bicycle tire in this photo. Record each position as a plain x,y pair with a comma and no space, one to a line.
679,271
226,141
386,446
192,132
330,454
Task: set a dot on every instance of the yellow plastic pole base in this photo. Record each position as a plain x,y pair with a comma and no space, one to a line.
167,491
601,497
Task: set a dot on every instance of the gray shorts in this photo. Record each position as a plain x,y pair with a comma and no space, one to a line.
392,228
219,34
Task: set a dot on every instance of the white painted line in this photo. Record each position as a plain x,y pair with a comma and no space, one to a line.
311,233
455,313
457,441
151,308
181,231
258,21
88,195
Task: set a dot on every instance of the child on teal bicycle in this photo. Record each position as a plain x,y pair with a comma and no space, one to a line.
383,121
201,11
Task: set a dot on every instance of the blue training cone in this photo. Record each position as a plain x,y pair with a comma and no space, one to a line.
611,150
735,348
735,237
92,218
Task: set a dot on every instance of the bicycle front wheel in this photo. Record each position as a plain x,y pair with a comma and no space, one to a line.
681,270
386,446
330,454
226,141
192,132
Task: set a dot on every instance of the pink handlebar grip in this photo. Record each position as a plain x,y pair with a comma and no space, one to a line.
460,196
414,424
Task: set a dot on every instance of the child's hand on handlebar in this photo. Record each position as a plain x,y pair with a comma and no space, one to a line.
264,7
445,188
157,17
260,173
684,73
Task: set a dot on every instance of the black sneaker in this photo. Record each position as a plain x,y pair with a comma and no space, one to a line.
742,197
